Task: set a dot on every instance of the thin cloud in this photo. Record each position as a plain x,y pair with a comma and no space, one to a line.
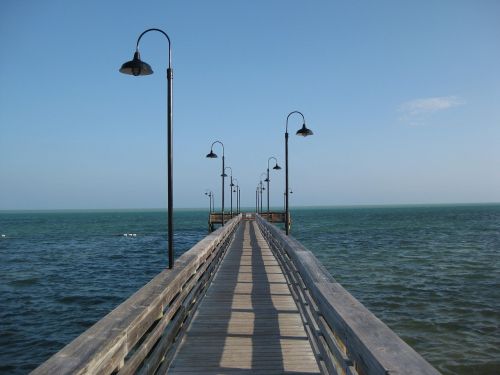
419,107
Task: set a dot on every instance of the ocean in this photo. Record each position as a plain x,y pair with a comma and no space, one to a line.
431,273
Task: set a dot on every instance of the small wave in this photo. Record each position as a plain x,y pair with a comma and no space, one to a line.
82,300
24,282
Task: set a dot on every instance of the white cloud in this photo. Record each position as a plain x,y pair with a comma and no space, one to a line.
424,106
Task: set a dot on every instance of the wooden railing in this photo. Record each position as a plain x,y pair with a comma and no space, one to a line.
274,217
346,337
216,218
141,335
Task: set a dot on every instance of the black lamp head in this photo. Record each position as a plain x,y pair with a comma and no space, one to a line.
223,175
304,131
277,167
136,67
266,180
212,155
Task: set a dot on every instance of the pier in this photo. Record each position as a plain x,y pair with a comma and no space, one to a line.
247,299
215,218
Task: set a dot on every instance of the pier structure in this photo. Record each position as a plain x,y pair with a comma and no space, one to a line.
215,218
247,299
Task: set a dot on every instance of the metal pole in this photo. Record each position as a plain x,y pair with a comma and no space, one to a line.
287,208
256,200
170,226
223,188
231,187
170,169
286,184
268,189
261,196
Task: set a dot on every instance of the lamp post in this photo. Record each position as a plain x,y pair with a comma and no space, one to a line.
137,67
210,195
276,167
257,199
237,191
304,132
262,188
213,155
230,187
284,199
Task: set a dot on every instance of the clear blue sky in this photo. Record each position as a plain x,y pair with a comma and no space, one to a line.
403,97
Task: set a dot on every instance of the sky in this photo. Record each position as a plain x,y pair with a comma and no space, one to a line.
403,98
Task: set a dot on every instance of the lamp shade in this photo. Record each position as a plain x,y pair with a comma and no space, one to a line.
136,67
277,167
304,131
212,155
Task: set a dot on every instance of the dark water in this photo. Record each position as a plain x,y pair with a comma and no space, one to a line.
431,273
60,272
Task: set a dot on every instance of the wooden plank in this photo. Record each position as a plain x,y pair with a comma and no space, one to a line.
248,320
372,346
104,346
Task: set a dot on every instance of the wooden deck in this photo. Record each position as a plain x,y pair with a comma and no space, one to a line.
248,322
246,299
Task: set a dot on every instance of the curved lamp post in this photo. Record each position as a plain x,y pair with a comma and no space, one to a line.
210,195
213,155
262,188
276,167
257,199
284,199
137,67
230,187
237,191
304,132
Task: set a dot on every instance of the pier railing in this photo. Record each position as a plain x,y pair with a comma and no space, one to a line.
141,335
346,337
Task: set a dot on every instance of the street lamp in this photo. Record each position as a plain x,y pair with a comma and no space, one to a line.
276,167
262,188
213,155
257,199
284,199
137,67
304,132
237,191
210,195
230,187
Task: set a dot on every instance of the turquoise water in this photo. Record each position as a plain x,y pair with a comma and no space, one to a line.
431,273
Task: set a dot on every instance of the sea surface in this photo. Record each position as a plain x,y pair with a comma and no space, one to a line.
431,273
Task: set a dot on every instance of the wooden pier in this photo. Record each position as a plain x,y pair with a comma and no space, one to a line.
273,217
248,321
246,299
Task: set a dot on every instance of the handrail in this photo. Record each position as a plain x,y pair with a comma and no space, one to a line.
141,334
346,337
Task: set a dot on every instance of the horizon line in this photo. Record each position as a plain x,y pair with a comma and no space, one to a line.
354,205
